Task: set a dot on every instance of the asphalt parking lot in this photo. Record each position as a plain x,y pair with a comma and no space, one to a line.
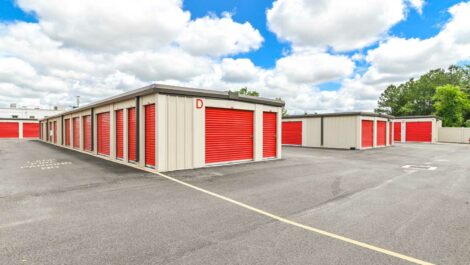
62,207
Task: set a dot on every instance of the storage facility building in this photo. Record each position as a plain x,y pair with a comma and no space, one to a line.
348,130
19,128
422,129
172,128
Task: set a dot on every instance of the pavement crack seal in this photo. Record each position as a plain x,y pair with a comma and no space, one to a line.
299,225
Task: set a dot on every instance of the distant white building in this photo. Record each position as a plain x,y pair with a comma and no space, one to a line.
14,112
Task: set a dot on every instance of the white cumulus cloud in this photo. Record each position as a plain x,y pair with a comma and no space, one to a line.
343,25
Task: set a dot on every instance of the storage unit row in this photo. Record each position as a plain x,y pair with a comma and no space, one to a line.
19,128
351,130
172,128
424,129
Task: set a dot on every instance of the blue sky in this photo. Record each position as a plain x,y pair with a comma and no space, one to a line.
301,57
416,25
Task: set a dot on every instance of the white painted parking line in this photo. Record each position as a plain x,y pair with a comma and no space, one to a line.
44,164
299,225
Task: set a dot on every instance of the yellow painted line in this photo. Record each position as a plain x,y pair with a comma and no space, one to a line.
299,225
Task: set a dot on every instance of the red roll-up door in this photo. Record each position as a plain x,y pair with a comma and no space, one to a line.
269,134
292,132
150,135
131,135
419,132
76,132
397,131
87,133
229,135
367,133
55,131
9,130
103,128
30,130
120,134
67,132
381,133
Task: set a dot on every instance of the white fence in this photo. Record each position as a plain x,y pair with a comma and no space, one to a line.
454,135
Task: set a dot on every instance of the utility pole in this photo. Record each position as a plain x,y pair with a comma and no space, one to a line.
78,101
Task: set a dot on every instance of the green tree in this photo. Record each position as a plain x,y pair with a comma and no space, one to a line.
284,110
467,124
245,91
451,104
391,101
416,97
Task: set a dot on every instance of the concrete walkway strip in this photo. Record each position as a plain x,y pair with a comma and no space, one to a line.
299,225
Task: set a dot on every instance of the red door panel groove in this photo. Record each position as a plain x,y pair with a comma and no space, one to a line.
87,133
103,138
292,132
67,132
229,135
120,134
419,132
55,132
381,133
131,135
9,130
30,130
76,132
397,131
269,134
367,133
150,135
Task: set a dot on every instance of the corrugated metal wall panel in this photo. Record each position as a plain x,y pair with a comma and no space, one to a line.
176,133
229,135
381,133
30,130
340,132
131,135
292,132
9,130
103,127
419,132
367,133
269,134
67,132
76,132
312,132
150,135
87,132
120,134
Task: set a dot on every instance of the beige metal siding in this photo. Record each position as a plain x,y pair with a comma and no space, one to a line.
311,132
454,135
340,132
174,132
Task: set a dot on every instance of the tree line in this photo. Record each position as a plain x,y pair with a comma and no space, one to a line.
441,92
